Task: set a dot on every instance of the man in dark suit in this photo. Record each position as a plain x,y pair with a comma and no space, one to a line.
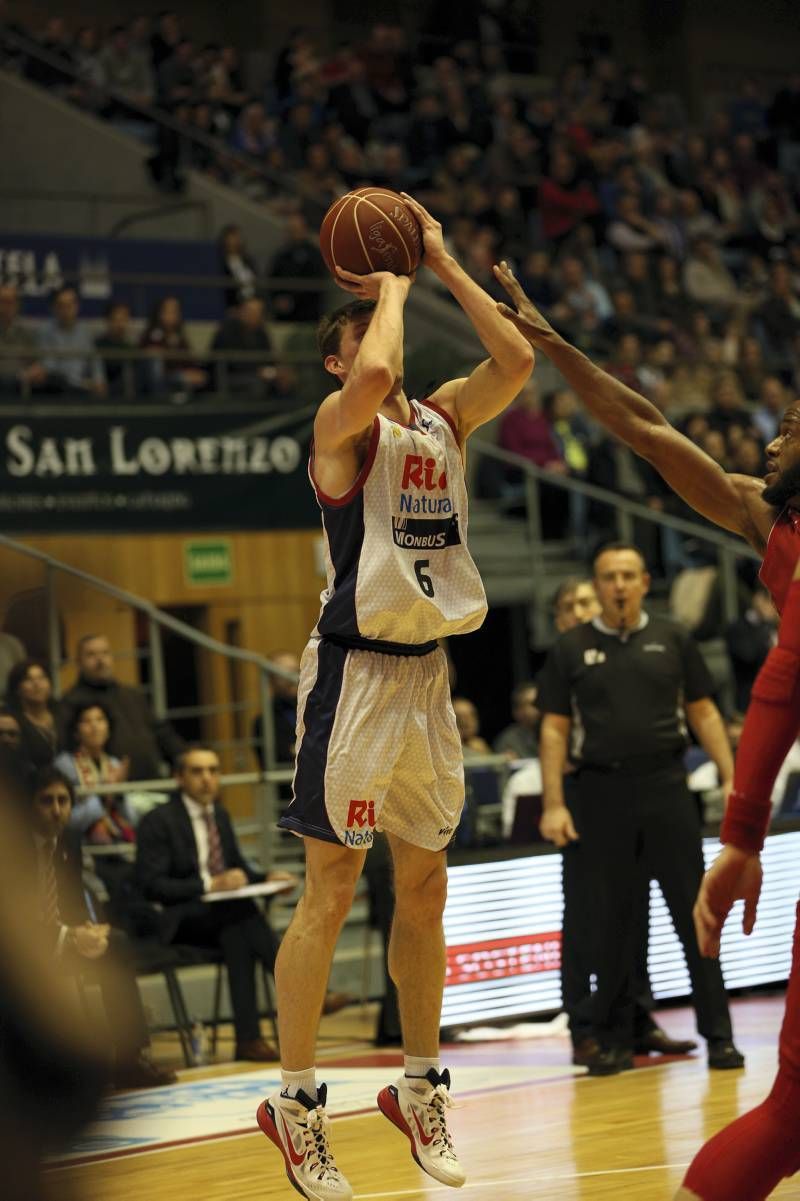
83,946
187,848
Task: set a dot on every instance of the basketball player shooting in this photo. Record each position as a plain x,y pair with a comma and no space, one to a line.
377,741
749,1158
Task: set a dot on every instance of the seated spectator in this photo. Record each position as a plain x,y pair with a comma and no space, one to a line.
779,315
519,740
238,264
565,200
245,330
318,179
299,258
116,336
79,370
29,696
177,76
631,230
83,946
136,735
126,71
727,404
253,134
54,40
188,847
25,371
750,639
99,819
582,299
752,372
671,301
637,274
165,332
748,457
706,278
626,361
525,430
537,280
714,444
10,731
772,400
469,728
697,221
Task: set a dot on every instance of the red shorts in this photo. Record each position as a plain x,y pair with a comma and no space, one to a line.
790,1031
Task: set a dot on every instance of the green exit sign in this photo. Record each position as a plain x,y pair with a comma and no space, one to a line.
208,562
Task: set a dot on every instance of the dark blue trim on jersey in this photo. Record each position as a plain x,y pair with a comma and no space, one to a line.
307,813
345,530
378,646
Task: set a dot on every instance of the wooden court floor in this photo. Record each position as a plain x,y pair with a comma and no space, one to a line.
560,1136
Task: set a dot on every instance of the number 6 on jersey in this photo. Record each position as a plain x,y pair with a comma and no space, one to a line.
425,582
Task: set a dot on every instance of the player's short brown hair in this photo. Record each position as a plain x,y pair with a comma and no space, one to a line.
329,330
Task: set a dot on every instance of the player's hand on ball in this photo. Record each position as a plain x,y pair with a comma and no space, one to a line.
432,233
733,876
557,826
368,287
526,317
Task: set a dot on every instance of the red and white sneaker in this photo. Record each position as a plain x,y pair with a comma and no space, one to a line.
417,1107
298,1127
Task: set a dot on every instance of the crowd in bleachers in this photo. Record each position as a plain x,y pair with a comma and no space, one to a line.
58,357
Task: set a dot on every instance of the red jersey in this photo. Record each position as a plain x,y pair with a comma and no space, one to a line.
780,560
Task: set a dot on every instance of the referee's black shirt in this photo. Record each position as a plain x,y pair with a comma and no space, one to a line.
625,695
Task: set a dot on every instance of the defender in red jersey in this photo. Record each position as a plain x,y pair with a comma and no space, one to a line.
766,513
748,1159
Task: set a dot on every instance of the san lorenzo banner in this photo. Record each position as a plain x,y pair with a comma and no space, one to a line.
153,468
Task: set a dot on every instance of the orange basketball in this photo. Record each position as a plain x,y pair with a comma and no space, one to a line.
370,230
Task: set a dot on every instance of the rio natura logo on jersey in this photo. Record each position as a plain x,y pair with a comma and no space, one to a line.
360,824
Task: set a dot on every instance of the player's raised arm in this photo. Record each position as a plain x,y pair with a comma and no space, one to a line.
495,382
369,358
727,500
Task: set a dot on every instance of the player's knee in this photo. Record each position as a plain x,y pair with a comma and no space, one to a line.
329,893
423,896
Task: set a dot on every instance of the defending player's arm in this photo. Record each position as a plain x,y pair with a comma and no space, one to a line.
771,726
731,501
344,415
497,380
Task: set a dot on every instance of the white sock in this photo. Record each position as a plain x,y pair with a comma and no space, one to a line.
293,1082
418,1068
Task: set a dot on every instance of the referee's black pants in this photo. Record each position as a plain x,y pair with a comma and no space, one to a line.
577,964
632,822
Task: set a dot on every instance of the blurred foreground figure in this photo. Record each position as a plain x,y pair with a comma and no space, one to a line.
52,1071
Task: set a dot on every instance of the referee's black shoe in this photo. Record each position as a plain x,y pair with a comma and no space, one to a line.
723,1055
657,1042
610,1061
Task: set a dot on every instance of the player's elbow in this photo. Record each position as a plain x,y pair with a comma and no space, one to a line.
518,363
374,379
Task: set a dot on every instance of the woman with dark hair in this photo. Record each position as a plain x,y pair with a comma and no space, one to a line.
165,332
101,819
29,696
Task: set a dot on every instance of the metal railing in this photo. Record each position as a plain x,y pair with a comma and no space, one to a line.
265,781
726,549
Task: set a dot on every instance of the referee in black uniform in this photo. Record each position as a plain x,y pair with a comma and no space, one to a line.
576,601
616,693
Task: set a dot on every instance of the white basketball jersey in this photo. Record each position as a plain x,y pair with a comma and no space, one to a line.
397,561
